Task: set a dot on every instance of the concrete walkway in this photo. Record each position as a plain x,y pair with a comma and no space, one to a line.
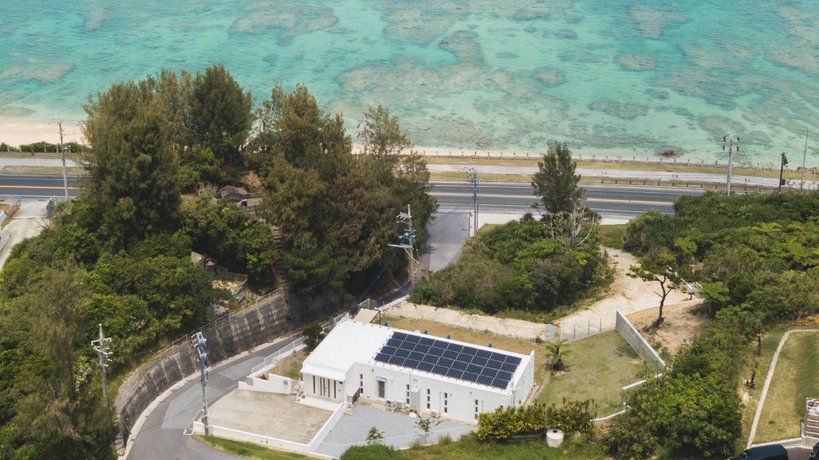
28,222
768,380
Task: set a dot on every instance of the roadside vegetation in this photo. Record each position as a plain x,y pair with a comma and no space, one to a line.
246,449
120,254
530,265
757,258
794,380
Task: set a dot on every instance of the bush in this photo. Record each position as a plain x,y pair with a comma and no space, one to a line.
371,452
515,266
507,423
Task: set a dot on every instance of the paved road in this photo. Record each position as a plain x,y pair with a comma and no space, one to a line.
162,434
512,198
32,186
623,173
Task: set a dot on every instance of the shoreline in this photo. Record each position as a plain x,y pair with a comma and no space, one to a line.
16,132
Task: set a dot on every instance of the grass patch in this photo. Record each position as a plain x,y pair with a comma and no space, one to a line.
611,236
796,377
750,396
469,448
290,367
623,165
599,366
246,449
43,170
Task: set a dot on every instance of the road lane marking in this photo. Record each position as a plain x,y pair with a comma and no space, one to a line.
43,187
521,197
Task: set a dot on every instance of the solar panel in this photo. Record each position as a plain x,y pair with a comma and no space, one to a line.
494,363
508,367
480,361
399,335
448,359
484,380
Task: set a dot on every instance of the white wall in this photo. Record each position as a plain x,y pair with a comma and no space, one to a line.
334,390
272,384
460,400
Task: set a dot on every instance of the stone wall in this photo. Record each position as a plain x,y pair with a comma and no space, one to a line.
227,336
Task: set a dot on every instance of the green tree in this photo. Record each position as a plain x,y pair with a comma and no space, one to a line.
660,267
381,133
131,185
221,114
374,436
557,351
556,183
313,334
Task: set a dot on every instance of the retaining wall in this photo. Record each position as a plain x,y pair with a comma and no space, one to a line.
226,337
638,343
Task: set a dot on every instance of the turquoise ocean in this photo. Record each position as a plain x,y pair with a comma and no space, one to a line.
614,77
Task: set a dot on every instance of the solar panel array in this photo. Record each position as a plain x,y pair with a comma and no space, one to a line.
449,359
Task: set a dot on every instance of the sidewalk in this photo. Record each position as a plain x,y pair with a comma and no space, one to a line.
28,222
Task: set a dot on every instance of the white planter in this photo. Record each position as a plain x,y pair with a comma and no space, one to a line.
554,437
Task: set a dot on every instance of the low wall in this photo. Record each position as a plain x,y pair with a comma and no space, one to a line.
638,343
271,383
226,337
326,428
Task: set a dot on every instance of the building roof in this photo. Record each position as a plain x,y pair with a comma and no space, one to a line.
348,343
353,342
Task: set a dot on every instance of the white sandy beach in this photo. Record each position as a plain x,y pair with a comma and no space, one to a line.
18,132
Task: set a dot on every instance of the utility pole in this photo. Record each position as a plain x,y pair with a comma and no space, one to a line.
199,342
62,149
730,140
101,347
473,177
782,170
408,239
804,156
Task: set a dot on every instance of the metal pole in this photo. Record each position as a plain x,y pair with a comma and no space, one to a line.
783,162
804,155
199,342
730,140
473,177
62,150
100,347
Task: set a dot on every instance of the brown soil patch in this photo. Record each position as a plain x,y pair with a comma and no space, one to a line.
682,324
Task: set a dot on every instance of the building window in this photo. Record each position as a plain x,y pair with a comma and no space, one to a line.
476,409
335,396
446,400
382,389
314,384
361,382
408,394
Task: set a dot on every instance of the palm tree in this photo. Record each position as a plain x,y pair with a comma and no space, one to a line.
557,351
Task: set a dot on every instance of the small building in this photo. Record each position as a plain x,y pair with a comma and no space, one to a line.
403,369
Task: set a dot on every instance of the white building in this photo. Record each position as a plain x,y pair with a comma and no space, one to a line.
430,375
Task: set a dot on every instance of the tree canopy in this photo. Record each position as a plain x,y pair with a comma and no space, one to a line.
556,183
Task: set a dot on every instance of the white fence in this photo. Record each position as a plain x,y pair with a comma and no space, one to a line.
638,343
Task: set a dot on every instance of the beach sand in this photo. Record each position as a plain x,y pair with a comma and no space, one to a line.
15,132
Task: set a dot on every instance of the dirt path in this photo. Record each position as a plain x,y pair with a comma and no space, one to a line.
625,294
29,221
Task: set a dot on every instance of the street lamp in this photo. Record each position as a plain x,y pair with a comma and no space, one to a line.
782,170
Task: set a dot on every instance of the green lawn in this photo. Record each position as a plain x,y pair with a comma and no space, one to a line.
796,377
468,448
611,236
599,366
246,449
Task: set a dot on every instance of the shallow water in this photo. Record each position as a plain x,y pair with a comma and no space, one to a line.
627,78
